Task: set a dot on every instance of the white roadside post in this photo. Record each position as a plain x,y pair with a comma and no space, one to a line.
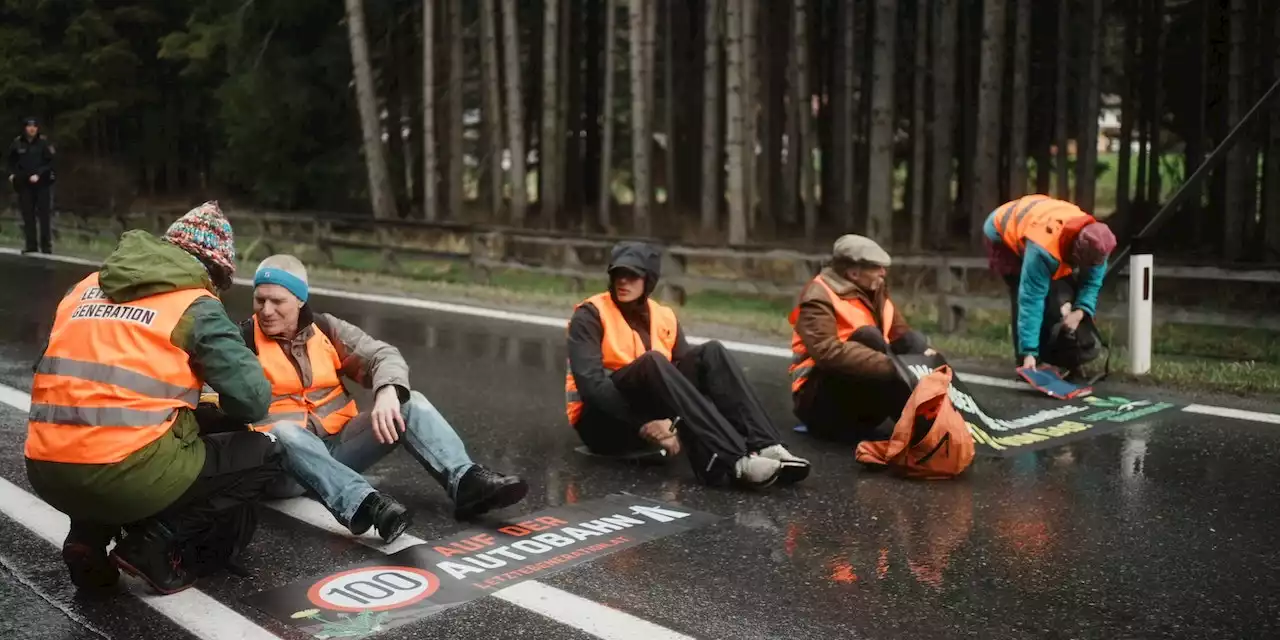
1140,267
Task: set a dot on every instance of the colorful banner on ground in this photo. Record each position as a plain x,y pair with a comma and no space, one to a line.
420,581
1051,426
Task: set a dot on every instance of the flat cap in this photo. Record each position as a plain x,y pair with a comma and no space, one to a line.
855,248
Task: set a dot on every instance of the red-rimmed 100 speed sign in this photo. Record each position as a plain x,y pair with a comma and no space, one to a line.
373,589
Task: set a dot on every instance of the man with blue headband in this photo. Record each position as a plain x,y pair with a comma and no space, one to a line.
326,439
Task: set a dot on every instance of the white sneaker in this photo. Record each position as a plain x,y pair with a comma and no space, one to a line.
756,471
794,468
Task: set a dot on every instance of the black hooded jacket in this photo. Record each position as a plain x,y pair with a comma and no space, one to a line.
30,157
586,333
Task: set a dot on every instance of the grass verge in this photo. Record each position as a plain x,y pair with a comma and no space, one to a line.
1185,358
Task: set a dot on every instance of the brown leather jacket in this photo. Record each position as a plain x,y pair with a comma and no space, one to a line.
816,326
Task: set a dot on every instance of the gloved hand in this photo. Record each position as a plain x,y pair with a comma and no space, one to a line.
871,337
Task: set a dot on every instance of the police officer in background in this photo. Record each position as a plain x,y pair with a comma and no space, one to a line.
31,174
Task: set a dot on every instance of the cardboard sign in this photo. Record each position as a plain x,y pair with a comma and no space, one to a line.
423,580
1080,418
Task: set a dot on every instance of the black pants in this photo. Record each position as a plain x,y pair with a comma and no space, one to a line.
848,409
35,202
237,467
1061,352
721,418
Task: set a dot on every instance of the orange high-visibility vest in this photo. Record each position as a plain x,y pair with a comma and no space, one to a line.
851,315
621,345
1049,222
111,381
326,398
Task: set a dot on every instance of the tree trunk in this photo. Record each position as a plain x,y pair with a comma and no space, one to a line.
567,111
668,104
549,146
430,172
1090,96
843,148
515,112
606,153
1018,116
736,132
1063,49
1128,114
750,100
942,202
457,85
880,163
919,126
790,168
641,137
1198,143
712,158
773,75
492,105
1271,186
986,161
1155,103
380,191
1233,237
804,113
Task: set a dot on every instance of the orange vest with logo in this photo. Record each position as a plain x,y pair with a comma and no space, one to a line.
851,315
111,381
1049,222
325,399
931,440
621,345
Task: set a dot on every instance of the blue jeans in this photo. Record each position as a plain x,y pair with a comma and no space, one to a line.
331,466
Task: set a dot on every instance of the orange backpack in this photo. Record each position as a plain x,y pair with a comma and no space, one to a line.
931,440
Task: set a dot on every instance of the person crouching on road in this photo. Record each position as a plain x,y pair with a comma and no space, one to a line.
112,439
327,442
1053,257
632,373
843,385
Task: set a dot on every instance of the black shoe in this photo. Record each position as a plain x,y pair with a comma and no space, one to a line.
89,567
383,512
481,490
148,552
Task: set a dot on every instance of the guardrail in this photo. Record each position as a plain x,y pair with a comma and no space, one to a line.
761,270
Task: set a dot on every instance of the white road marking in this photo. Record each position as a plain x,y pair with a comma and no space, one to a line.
582,614
561,323
201,615
1238,414
207,618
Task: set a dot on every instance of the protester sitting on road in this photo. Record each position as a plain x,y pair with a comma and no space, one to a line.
843,384
326,441
632,376
112,440
1053,257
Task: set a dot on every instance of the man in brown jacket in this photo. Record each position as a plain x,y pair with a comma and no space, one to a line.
843,384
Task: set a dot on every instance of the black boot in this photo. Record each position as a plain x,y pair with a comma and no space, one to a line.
383,512
85,552
481,490
148,552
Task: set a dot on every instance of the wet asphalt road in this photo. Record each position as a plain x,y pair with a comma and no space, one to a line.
1166,528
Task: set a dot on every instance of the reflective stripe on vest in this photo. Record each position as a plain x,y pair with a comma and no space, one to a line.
111,381
851,315
325,400
1050,223
620,345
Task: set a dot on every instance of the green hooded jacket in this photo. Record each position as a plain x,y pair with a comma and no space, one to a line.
155,476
